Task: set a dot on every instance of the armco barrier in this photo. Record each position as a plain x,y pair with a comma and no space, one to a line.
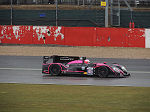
75,36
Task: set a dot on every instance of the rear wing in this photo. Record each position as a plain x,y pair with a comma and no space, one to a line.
62,59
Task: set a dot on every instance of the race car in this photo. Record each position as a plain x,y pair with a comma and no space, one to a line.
60,65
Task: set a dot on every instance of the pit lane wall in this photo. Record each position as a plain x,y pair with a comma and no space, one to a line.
75,36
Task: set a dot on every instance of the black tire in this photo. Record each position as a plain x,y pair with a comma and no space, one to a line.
102,71
55,69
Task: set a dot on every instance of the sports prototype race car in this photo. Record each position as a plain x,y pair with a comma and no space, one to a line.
80,65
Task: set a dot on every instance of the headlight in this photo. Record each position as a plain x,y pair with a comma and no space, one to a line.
123,68
116,69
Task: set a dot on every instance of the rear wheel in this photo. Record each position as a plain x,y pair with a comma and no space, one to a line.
55,69
102,71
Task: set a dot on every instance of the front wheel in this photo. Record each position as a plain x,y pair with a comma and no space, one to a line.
55,69
102,71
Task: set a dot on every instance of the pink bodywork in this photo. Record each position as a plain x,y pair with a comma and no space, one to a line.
102,64
76,61
72,62
80,61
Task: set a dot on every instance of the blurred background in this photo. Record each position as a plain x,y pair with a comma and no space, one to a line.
76,13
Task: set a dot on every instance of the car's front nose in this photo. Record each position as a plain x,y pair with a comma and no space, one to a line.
122,70
127,74
124,74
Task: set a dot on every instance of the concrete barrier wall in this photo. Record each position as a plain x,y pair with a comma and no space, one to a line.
75,36
147,38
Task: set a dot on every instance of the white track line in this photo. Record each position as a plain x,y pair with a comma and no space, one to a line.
33,69
28,69
146,72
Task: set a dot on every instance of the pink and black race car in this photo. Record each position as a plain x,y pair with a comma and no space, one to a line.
80,65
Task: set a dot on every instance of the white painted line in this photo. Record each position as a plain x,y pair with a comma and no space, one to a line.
34,69
146,72
28,69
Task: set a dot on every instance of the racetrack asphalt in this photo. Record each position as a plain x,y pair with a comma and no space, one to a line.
27,69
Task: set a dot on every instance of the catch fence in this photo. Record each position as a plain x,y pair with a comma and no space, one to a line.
75,13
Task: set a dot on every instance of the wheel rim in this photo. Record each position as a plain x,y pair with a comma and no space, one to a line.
55,69
102,72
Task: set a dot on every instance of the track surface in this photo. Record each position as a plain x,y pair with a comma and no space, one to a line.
27,69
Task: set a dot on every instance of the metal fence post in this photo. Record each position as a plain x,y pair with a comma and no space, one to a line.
78,2
56,12
111,12
83,2
11,13
106,13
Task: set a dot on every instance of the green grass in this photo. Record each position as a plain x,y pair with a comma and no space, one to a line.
64,98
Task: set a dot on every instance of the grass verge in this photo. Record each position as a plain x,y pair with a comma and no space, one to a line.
64,98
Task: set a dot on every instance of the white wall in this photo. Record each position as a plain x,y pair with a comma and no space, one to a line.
147,38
